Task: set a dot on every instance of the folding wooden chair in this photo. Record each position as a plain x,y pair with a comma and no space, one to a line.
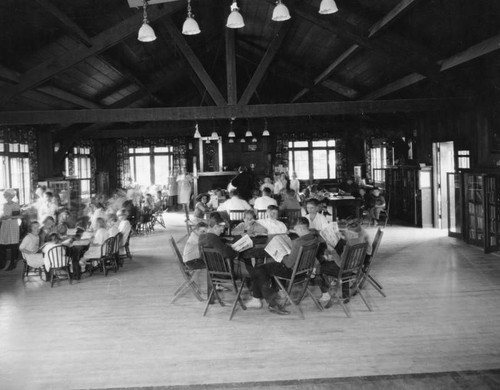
289,216
189,224
367,268
351,272
302,271
235,217
187,273
59,261
220,271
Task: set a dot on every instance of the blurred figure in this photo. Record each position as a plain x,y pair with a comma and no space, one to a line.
9,231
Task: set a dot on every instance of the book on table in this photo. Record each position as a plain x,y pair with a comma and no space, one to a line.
279,247
244,243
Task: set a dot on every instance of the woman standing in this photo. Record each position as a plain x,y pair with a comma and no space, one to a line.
184,181
9,231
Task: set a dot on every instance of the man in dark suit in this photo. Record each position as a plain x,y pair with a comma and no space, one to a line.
262,276
244,183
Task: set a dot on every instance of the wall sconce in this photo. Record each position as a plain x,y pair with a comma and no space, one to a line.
57,146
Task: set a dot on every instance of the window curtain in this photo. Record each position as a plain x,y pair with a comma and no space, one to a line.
24,135
123,145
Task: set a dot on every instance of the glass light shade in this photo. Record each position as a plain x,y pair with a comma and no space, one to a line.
231,141
197,133
190,26
231,134
248,134
265,133
207,141
327,7
254,140
146,33
280,12
214,135
235,20
242,140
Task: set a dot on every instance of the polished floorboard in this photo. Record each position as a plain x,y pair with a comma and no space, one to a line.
441,314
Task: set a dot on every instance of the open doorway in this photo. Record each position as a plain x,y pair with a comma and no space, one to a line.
443,163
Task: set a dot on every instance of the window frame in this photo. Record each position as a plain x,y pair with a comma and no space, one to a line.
310,147
132,154
8,157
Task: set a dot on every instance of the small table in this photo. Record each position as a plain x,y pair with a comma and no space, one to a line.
337,202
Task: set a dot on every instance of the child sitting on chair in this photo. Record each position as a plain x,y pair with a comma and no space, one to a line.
94,251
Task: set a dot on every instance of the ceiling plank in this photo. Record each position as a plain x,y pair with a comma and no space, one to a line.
194,62
378,26
231,75
482,48
227,112
71,27
109,38
268,57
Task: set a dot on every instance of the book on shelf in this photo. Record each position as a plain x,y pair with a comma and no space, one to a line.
244,243
279,247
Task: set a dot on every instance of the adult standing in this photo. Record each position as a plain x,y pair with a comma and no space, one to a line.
185,185
244,183
9,231
47,207
172,189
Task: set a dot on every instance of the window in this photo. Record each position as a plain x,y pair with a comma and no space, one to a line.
463,159
378,162
320,155
81,169
150,165
15,170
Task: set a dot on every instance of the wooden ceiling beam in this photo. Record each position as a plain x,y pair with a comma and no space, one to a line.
100,43
231,74
377,27
226,112
266,60
485,47
69,26
194,62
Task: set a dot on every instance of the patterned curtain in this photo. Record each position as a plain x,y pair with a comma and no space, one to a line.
123,145
24,135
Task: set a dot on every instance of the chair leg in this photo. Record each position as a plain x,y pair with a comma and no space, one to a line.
364,299
208,301
69,275
25,270
52,277
376,285
177,292
238,300
301,314
314,299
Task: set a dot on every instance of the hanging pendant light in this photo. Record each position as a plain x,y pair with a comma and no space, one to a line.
242,140
231,141
208,140
254,140
280,12
214,135
231,132
327,7
146,32
235,20
196,132
248,133
265,133
190,26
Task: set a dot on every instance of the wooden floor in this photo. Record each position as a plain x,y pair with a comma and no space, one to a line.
442,314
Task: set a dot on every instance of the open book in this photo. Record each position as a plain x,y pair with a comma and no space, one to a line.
279,247
331,234
244,243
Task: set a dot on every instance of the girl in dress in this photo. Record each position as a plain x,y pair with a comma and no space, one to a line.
94,251
9,231
201,208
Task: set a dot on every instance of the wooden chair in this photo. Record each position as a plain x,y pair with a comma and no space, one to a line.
367,267
289,216
220,272
59,261
143,225
351,272
116,249
189,224
385,213
235,217
261,214
27,269
107,260
187,273
126,247
302,271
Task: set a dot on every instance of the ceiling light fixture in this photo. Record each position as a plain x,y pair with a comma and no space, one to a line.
327,7
196,132
254,140
231,132
231,141
280,12
190,26
146,32
265,133
242,140
248,133
208,140
235,20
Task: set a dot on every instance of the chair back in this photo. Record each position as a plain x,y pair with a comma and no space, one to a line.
58,257
305,261
261,214
236,215
177,253
375,246
116,243
291,216
107,247
186,211
352,259
217,266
